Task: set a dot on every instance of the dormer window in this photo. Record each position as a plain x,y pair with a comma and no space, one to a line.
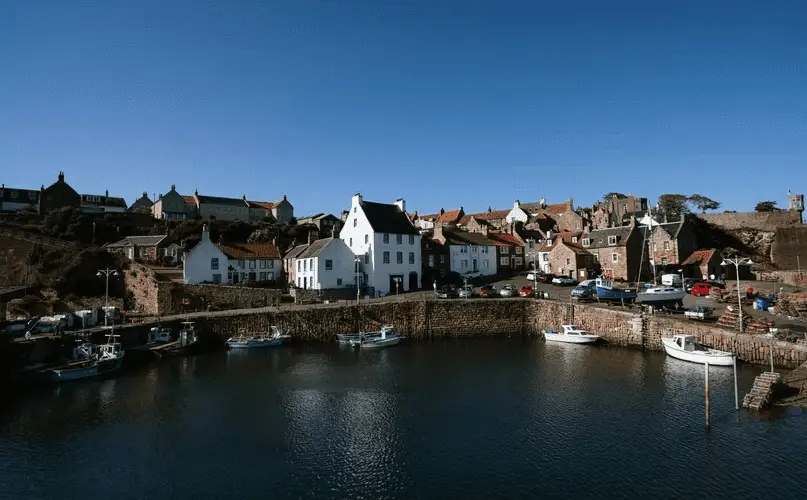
612,240
549,243
586,242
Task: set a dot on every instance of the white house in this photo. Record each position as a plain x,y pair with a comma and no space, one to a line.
468,252
387,243
205,262
234,263
517,214
325,263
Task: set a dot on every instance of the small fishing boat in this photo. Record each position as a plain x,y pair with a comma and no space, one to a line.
685,348
90,360
275,338
607,292
158,335
661,296
385,337
570,334
351,338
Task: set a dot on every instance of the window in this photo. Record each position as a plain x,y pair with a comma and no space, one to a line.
252,264
654,247
485,264
311,264
399,257
431,260
355,221
386,238
505,261
442,259
270,276
586,242
270,264
367,238
463,249
214,263
614,257
298,266
367,258
386,257
549,242
664,261
474,249
574,239
351,242
328,265
14,194
545,257
338,281
262,276
485,249
505,250
305,265
612,240
262,264
144,252
465,264
217,278
411,239
518,261
399,239
241,264
411,257
666,246
518,250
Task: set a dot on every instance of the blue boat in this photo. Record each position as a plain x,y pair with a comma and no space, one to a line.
606,292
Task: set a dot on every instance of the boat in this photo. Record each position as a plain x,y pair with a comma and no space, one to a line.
186,343
570,334
90,360
256,341
158,335
660,296
385,337
685,348
351,338
607,292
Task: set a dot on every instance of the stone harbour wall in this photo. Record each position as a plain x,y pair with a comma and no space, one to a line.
760,221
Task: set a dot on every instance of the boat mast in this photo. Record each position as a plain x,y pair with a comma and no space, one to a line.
641,259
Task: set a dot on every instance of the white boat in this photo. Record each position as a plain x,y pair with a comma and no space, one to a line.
661,295
571,335
159,335
90,360
684,347
257,341
386,337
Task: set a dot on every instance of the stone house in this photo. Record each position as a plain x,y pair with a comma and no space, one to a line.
553,239
142,204
58,195
496,219
617,250
509,245
325,223
221,208
670,244
468,252
326,264
571,259
19,200
283,211
288,261
145,248
174,206
703,264
617,211
99,204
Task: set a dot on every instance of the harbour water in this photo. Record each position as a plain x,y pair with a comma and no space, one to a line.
482,418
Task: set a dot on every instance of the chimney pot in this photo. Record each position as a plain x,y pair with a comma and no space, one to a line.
173,187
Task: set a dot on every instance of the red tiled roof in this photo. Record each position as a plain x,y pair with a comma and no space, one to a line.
699,257
250,250
268,205
450,216
506,238
189,200
430,217
557,208
493,214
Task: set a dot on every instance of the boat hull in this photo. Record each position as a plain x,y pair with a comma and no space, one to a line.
571,339
711,356
380,343
92,369
254,343
661,299
352,338
615,295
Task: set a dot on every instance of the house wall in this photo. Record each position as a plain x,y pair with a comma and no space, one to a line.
517,214
381,272
197,267
564,261
283,212
569,221
170,206
224,212
485,256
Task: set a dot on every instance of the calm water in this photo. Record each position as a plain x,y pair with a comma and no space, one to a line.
452,419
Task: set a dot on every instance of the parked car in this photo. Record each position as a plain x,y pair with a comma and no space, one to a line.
466,292
586,290
699,312
564,281
470,275
700,288
689,283
527,291
488,291
447,292
508,291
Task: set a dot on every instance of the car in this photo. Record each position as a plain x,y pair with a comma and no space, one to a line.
508,291
488,291
586,290
447,292
470,275
564,281
700,288
527,291
466,292
689,283
699,312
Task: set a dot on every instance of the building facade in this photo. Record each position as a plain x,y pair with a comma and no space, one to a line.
327,263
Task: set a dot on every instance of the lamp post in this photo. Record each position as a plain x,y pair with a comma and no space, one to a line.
681,272
358,281
738,261
107,273
534,271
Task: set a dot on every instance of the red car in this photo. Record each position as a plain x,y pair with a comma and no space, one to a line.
526,291
699,289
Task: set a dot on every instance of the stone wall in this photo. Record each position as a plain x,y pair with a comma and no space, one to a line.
760,221
309,296
784,277
789,248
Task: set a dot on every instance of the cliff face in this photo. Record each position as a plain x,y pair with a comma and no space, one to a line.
789,248
751,234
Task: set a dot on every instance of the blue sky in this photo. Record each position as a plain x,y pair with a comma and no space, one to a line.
443,103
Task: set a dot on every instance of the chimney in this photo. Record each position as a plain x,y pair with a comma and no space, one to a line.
516,204
542,202
173,187
438,234
145,194
196,192
205,233
244,196
61,176
442,211
356,200
489,209
106,193
401,204
570,204
548,234
309,237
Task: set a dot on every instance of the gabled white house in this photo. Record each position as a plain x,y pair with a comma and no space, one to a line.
205,262
468,252
387,243
326,263
517,214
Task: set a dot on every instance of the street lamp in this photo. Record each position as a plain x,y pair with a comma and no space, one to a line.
107,273
738,261
357,260
681,272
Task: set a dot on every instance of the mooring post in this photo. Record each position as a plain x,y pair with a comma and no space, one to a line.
706,393
772,370
736,394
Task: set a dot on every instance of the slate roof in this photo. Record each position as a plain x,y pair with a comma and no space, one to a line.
314,249
218,200
385,218
599,237
492,215
699,257
455,237
249,250
295,251
566,237
577,249
141,241
108,201
672,228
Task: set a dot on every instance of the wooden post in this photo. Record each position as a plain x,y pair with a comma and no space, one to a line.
736,394
706,393
772,369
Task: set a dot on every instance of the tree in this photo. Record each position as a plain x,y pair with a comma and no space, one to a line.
766,206
673,206
703,203
609,196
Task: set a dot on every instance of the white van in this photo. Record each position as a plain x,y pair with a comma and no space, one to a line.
671,280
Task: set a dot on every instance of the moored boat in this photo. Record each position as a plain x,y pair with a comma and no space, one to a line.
607,292
158,335
660,296
685,348
257,341
90,360
570,334
385,337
